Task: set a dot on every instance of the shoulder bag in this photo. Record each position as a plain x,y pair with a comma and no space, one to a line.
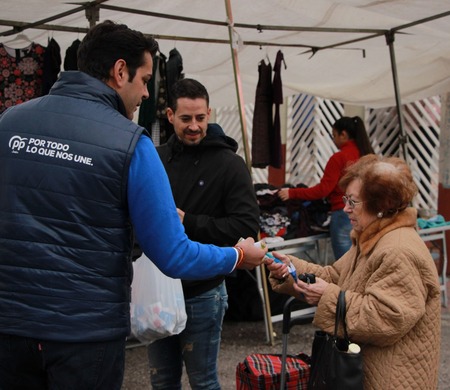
333,364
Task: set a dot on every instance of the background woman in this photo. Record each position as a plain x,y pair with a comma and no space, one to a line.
390,279
350,136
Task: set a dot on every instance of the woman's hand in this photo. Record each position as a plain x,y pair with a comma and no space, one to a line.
278,270
283,194
310,293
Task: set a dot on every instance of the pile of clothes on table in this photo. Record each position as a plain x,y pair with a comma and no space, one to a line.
293,218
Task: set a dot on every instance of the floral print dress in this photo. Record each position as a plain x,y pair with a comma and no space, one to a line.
21,73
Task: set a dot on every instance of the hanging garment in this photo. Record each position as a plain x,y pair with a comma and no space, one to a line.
165,127
174,70
147,109
22,74
161,89
262,117
275,139
52,65
70,60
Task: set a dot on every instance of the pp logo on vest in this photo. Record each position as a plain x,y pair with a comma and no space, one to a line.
17,143
47,148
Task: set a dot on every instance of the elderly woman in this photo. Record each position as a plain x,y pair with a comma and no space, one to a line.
390,279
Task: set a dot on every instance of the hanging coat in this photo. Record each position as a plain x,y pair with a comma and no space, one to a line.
275,139
262,117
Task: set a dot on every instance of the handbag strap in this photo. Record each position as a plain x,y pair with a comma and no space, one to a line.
340,315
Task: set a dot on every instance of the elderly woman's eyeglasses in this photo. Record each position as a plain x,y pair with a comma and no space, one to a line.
352,203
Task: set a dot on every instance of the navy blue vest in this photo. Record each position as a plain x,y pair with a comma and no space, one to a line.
65,235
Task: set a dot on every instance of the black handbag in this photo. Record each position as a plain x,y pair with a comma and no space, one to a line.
333,366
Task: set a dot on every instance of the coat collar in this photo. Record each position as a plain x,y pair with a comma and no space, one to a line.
83,86
367,239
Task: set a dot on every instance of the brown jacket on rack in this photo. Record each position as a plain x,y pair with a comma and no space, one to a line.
393,303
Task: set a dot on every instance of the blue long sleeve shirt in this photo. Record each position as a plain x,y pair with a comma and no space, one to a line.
158,228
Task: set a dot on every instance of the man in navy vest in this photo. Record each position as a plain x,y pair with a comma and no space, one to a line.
78,176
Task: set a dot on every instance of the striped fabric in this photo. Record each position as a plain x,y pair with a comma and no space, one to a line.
263,372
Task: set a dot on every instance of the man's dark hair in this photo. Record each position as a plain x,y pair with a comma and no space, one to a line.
108,42
188,88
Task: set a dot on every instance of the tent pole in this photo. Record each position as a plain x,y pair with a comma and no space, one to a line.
238,82
390,38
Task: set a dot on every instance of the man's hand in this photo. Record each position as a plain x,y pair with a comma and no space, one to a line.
180,214
253,255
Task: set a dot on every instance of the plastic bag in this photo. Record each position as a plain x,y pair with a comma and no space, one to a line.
157,303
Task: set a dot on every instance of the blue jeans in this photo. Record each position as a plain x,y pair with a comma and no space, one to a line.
340,228
197,345
33,364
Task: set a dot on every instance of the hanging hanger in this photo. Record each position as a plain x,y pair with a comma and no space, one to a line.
266,58
282,58
49,35
21,40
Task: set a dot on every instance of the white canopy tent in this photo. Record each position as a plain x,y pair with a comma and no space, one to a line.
373,53
332,49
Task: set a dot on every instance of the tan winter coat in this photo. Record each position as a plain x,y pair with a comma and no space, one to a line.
393,303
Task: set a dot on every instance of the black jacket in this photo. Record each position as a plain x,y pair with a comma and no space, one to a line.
213,186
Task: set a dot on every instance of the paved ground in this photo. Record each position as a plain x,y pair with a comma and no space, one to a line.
240,339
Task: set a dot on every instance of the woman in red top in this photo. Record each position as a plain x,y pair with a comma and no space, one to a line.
350,136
